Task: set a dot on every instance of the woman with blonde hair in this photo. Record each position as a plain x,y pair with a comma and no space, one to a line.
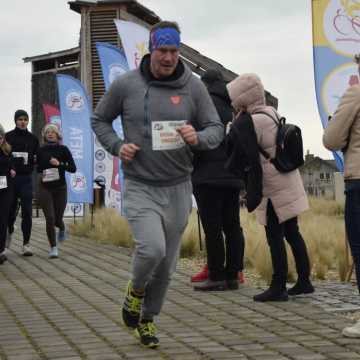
52,161
7,173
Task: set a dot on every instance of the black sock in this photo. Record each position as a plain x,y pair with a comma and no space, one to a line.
145,321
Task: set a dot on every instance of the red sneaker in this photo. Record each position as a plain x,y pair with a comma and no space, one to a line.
202,275
241,277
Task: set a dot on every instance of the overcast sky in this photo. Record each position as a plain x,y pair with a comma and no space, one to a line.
272,39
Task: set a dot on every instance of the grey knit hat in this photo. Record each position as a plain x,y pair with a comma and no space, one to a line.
2,131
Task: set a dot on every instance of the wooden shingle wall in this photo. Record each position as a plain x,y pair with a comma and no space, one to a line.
103,29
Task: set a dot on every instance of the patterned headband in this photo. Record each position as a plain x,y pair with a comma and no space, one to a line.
163,37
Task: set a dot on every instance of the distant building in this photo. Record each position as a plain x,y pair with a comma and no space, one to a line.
318,176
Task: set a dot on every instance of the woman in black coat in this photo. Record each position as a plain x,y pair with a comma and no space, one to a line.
217,193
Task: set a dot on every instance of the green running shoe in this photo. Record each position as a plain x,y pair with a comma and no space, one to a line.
146,332
132,307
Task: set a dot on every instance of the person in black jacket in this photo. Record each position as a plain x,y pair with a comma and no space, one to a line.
53,160
7,173
217,193
24,149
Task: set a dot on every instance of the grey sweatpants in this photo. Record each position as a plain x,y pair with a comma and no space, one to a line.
157,217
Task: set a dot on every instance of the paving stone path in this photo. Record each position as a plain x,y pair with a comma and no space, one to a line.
69,308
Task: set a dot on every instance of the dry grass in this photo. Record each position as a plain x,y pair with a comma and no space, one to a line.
324,236
325,207
322,228
190,244
325,239
109,228
256,250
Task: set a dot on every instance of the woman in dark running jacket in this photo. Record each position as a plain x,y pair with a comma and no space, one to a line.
52,161
7,172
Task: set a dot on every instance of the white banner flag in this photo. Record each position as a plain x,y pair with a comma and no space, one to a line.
135,41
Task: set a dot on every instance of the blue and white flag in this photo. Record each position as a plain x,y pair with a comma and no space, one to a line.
113,64
77,136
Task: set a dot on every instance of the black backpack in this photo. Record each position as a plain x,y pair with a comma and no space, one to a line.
289,153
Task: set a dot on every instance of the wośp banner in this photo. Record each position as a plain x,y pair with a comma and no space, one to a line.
77,136
113,62
107,168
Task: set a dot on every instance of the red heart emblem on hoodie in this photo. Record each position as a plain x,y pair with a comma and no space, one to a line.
175,99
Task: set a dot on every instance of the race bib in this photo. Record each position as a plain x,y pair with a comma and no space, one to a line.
50,175
165,136
23,155
3,182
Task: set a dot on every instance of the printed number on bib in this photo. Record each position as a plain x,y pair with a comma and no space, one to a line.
24,155
50,175
3,182
165,135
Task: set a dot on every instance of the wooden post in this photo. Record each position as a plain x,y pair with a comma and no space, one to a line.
199,229
92,216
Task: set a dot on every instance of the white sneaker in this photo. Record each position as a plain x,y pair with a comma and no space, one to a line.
27,250
53,253
8,240
352,331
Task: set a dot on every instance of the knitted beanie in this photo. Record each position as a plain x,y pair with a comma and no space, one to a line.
19,113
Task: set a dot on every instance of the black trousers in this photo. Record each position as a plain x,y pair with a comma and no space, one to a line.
275,234
219,210
5,201
23,190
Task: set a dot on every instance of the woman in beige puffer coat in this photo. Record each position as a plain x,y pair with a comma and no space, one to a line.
284,197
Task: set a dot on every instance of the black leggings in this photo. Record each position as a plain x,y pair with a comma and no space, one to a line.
53,204
275,234
23,190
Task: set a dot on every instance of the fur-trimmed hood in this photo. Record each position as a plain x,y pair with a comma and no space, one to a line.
246,91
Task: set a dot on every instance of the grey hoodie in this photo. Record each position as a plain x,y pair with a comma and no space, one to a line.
139,101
